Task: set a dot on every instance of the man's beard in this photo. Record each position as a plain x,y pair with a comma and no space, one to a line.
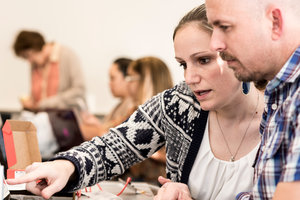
246,77
259,81
227,57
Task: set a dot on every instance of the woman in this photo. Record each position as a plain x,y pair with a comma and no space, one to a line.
209,152
223,165
90,125
148,76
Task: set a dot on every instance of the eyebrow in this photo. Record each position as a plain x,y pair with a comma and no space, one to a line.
216,23
194,54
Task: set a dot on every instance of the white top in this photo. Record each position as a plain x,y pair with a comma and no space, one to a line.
215,179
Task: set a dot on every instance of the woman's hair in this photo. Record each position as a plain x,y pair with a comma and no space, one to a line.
155,77
123,64
26,40
197,15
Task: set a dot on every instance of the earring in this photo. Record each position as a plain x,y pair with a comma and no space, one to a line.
246,87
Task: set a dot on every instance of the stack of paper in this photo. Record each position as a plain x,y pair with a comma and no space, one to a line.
4,192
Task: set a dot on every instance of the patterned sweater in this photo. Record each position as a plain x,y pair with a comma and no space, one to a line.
172,118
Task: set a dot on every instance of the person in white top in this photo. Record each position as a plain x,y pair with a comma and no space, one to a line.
223,166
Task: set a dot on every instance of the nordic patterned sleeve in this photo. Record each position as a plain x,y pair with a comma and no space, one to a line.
133,141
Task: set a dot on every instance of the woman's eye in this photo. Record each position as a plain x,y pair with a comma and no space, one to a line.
204,60
183,65
223,27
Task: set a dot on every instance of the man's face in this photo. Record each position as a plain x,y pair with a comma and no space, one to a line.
239,34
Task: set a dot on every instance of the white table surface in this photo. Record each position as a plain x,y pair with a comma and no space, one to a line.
111,188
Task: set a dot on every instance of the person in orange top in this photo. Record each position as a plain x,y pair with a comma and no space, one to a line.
56,77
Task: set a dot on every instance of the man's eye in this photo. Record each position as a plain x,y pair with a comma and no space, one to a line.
183,65
204,60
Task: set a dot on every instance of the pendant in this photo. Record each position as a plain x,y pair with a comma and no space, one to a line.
232,159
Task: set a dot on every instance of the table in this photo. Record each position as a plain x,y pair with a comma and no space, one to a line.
145,191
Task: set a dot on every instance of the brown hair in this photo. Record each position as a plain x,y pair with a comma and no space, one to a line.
198,15
123,64
26,40
155,77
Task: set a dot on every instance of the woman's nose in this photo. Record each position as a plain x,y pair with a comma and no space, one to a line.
191,75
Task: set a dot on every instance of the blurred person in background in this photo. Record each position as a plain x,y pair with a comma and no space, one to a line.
57,86
90,125
56,77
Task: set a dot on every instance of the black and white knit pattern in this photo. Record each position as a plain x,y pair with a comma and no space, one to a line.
170,119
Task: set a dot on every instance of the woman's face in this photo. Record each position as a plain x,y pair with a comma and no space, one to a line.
207,75
117,83
35,58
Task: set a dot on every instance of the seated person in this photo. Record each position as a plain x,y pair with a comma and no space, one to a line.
90,125
57,83
56,76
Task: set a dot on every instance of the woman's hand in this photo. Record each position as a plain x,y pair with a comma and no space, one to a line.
46,178
172,191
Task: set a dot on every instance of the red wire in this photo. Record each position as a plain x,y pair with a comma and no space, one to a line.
99,187
127,182
78,193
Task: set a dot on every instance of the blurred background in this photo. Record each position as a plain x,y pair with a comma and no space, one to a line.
98,31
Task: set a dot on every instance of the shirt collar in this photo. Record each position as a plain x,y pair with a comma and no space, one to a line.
54,56
289,72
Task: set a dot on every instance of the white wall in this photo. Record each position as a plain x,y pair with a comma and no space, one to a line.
97,30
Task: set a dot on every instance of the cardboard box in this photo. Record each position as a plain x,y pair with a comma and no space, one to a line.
21,145
22,149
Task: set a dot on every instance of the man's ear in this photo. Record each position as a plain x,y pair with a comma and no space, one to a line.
277,23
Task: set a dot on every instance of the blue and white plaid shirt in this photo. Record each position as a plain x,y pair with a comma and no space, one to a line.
279,155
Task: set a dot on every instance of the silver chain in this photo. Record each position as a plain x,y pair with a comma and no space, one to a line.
232,159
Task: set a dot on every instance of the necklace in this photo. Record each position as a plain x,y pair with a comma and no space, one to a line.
232,158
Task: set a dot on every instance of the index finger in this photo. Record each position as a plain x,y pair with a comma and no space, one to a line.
30,177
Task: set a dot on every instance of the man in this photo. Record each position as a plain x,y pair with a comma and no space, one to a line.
260,40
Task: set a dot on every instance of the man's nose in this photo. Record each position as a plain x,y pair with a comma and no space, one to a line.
217,41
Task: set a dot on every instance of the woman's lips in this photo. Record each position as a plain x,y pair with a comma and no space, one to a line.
201,94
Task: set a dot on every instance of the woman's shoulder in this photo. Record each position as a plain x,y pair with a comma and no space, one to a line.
177,99
181,88
180,92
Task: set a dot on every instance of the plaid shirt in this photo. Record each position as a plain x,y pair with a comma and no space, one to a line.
279,155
